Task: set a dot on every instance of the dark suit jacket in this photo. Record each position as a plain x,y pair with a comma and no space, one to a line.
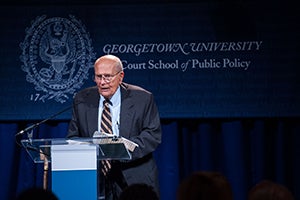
139,122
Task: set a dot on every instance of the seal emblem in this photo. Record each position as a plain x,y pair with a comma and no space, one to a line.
57,55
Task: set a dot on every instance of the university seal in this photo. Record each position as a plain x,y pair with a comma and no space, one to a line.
56,55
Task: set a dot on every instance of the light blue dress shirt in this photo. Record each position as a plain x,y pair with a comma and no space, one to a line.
114,109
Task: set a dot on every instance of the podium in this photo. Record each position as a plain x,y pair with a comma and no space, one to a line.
74,163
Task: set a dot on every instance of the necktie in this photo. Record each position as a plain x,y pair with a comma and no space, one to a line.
106,124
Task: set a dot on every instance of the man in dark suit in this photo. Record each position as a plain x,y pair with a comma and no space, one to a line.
134,116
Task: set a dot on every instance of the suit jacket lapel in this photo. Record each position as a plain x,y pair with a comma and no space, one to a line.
92,120
125,113
92,113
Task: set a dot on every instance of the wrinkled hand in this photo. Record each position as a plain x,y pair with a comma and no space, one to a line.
106,166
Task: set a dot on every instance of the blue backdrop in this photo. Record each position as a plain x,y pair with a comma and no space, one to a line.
224,75
209,59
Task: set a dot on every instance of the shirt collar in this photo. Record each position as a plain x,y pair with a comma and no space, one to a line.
114,99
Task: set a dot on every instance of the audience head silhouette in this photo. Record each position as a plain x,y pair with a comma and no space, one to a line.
205,185
139,191
268,190
36,193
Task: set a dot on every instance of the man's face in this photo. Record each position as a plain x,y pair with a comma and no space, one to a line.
107,77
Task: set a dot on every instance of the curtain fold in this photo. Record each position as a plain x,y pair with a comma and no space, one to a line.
244,150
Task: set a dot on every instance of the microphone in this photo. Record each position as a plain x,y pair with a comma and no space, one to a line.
30,128
52,116
43,121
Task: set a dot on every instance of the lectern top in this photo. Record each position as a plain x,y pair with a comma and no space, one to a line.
107,148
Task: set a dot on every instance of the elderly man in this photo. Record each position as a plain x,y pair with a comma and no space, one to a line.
133,114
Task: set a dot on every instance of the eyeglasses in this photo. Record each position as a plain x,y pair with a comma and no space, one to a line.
106,77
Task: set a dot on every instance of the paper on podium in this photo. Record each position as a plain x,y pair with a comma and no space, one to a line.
105,138
129,144
70,141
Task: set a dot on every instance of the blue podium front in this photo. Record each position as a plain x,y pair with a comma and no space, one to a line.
74,171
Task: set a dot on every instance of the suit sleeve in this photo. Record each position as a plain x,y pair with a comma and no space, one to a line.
84,114
149,132
73,130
